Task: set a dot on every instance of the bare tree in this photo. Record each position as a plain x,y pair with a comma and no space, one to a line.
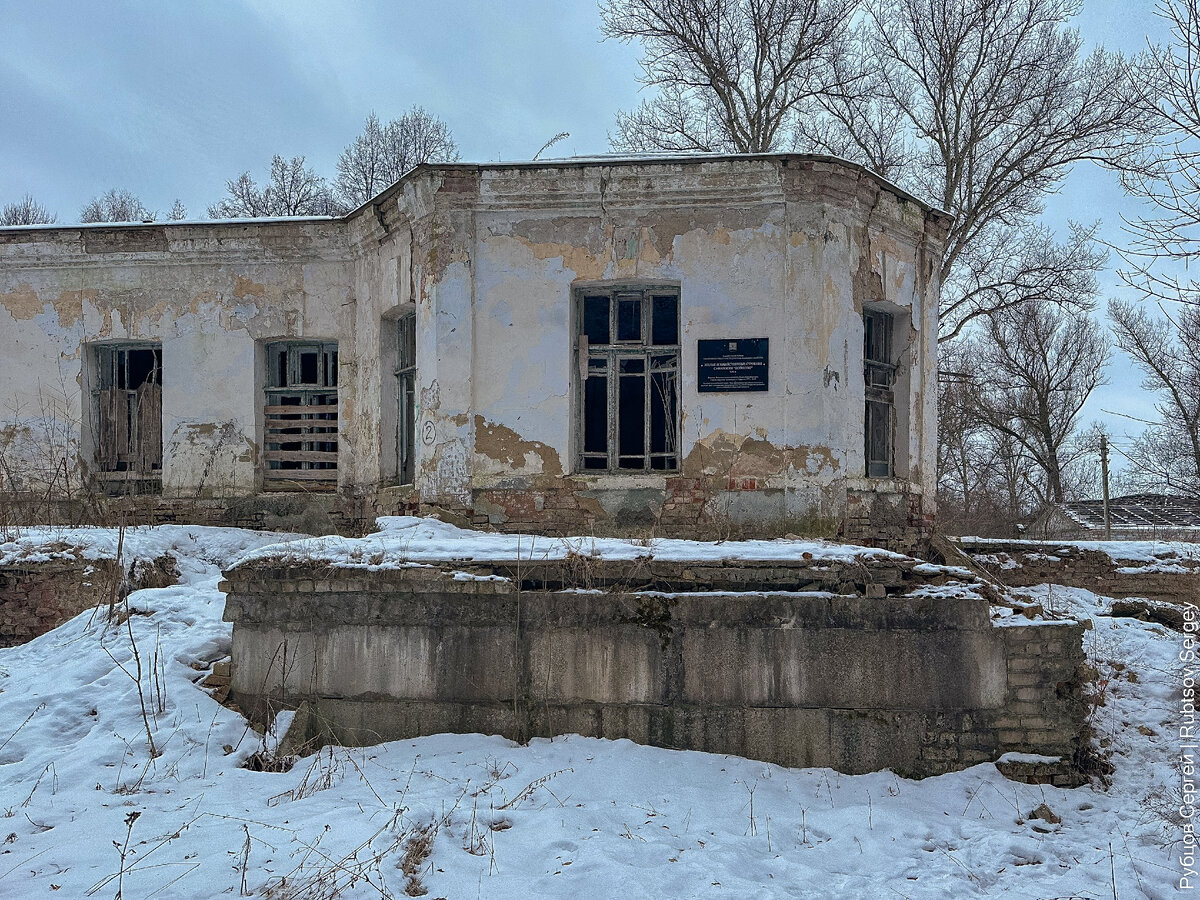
382,153
729,75
1167,350
116,205
1036,367
1161,246
1004,268
294,189
178,211
987,482
966,458
984,107
26,211
1167,172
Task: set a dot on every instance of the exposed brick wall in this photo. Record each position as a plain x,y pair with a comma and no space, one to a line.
38,597
894,521
1026,563
686,507
315,513
1044,712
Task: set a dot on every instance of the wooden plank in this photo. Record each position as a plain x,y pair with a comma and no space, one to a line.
149,410
308,487
107,477
300,423
113,422
300,474
290,410
323,456
276,423
291,434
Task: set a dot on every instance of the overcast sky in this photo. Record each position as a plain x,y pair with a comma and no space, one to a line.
171,99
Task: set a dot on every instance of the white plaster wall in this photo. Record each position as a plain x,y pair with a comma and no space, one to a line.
209,293
488,257
783,268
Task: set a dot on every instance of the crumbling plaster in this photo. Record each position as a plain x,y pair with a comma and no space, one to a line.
209,293
757,250
784,247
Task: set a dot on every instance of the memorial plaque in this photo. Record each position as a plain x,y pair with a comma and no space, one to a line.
730,365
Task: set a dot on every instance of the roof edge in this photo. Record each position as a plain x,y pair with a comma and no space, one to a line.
171,223
634,160
564,163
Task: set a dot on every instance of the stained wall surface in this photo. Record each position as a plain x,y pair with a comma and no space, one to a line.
491,259
922,683
211,294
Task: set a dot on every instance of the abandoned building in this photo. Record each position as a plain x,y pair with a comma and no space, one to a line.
573,346
653,345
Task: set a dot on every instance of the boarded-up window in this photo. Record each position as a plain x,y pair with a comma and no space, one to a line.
628,399
879,375
128,402
406,418
300,419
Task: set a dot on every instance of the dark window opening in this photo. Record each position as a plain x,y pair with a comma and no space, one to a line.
595,319
300,416
629,398
879,376
406,414
129,416
629,318
664,327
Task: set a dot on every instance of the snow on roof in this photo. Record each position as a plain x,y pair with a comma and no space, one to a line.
76,226
1147,511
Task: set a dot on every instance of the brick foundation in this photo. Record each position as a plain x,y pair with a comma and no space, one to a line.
706,508
1027,563
38,597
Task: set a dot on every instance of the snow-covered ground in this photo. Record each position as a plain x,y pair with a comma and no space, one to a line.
85,811
1138,552
404,540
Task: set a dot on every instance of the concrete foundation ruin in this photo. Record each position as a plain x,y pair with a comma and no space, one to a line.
858,663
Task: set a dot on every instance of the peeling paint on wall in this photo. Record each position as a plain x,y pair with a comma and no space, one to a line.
22,302
494,256
506,447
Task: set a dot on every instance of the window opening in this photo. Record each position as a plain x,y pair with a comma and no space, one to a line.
406,418
879,375
300,416
628,345
129,412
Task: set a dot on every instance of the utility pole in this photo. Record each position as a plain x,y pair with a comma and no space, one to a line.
1104,479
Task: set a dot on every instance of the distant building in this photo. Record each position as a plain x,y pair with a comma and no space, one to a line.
1135,517
607,344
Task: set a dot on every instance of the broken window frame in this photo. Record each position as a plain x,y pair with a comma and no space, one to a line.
300,415
626,357
879,380
406,409
128,426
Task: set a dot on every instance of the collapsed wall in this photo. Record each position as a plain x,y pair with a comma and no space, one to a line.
37,597
858,664
1156,570
43,589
